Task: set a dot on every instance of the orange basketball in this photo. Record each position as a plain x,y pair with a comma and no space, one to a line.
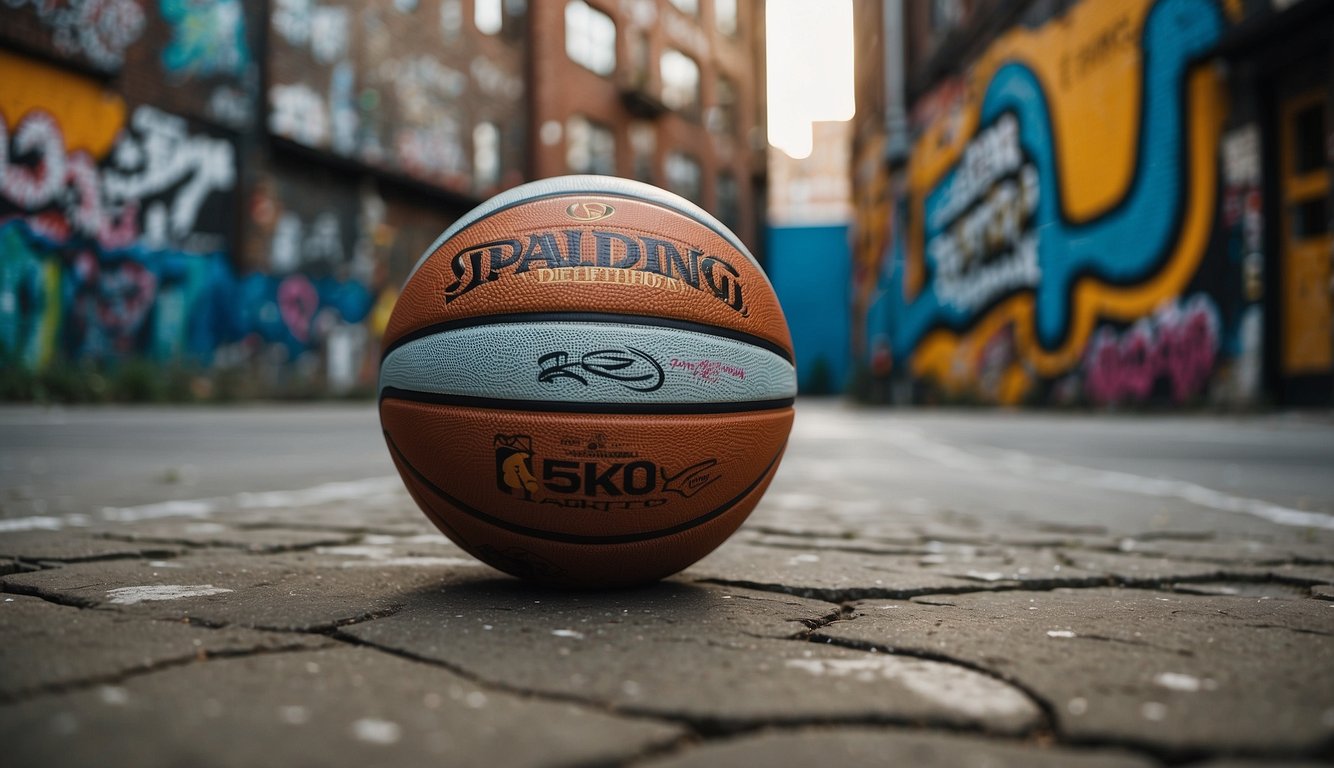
587,381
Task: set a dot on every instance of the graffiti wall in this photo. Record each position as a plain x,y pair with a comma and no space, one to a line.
334,253
399,87
119,239
204,53
99,204
190,57
93,33
1057,238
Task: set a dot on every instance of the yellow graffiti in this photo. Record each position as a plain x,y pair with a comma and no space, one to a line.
89,116
1090,66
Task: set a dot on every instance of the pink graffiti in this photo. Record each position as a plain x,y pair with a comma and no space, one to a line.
297,302
1178,343
112,303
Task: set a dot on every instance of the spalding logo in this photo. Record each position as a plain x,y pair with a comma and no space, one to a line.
589,211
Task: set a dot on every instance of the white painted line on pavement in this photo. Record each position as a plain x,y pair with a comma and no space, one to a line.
320,494
913,442
349,490
35,523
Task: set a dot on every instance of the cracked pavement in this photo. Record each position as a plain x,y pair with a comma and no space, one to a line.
949,588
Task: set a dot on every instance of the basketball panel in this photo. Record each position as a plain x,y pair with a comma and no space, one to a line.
585,478
584,565
642,259
563,362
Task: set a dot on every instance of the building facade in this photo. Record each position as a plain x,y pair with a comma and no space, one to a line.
669,92
1094,202
242,186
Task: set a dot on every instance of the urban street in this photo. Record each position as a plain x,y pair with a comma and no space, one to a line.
253,586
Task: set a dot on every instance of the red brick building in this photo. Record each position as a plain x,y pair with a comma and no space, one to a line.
665,91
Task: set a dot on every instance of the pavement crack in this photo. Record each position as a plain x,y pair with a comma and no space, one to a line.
516,690
50,597
1299,630
1138,643
1046,727
1165,583
122,676
844,612
866,549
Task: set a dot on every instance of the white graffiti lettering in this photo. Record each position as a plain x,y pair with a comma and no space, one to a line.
297,112
100,30
156,166
993,154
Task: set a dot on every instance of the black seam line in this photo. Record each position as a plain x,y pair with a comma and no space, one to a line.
557,406
573,538
612,318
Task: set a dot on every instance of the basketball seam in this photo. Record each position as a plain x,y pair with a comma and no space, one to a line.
612,318
562,406
575,538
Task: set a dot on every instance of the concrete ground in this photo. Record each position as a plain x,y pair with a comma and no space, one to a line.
253,586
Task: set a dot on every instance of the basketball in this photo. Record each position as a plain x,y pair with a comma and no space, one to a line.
587,381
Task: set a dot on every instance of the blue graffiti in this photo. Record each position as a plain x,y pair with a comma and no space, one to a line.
208,37
77,300
1014,153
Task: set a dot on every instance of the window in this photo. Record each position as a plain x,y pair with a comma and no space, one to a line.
724,16
722,116
451,19
589,147
643,144
486,14
729,205
680,81
683,175
687,6
486,155
590,37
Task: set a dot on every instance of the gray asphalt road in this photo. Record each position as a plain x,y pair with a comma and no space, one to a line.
1142,472
61,461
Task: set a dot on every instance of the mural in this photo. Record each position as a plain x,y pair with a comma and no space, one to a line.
94,32
205,59
1057,211
374,84
208,37
115,239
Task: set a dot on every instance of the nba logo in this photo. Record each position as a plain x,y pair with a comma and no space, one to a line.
514,465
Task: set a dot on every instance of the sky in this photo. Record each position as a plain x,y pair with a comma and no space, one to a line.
810,72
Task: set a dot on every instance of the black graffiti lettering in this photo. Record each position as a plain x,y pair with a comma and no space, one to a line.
666,259
503,254
594,480
632,368
557,365
725,288
561,476
632,477
606,252
541,247
545,251
574,251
